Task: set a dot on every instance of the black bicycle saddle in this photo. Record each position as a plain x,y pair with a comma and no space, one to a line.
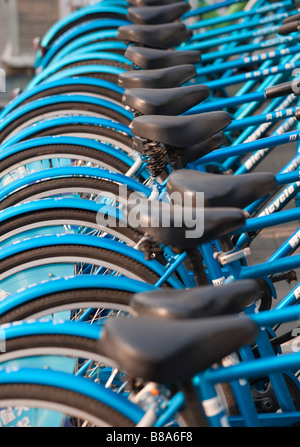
199,302
170,101
161,78
221,190
166,351
289,27
291,18
206,146
182,227
139,3
180,131
155,15
152,58
163,36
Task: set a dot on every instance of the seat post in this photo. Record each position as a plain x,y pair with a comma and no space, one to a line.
196,261
193,412
175,156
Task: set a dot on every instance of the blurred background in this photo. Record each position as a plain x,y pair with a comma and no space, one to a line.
21,21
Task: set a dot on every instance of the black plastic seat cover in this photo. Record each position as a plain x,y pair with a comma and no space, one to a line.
221,190
194,153
154,15
199,302
152,58
288,28
180,131
165,351
171,101
182,227
291,18
160,78
152,2
163,36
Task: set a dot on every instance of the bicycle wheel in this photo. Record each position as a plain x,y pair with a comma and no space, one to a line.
22,395
76,186
42,258
41,302
37,343
86,86
12,125
37,156
78,220
104,131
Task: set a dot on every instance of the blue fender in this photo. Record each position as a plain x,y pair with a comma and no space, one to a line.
83,70
72,82
58,202
73,383
81,31
57,285
53,173
31,131
87,241
44,326
81,15
75,58
60,99
114,2
89,44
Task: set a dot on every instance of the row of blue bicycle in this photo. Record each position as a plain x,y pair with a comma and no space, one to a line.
131,200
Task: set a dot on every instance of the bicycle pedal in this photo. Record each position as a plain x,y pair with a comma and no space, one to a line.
231,256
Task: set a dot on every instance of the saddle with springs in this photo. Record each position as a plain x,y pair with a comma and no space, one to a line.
180,131
220,213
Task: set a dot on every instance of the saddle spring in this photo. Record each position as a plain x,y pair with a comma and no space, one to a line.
158,156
